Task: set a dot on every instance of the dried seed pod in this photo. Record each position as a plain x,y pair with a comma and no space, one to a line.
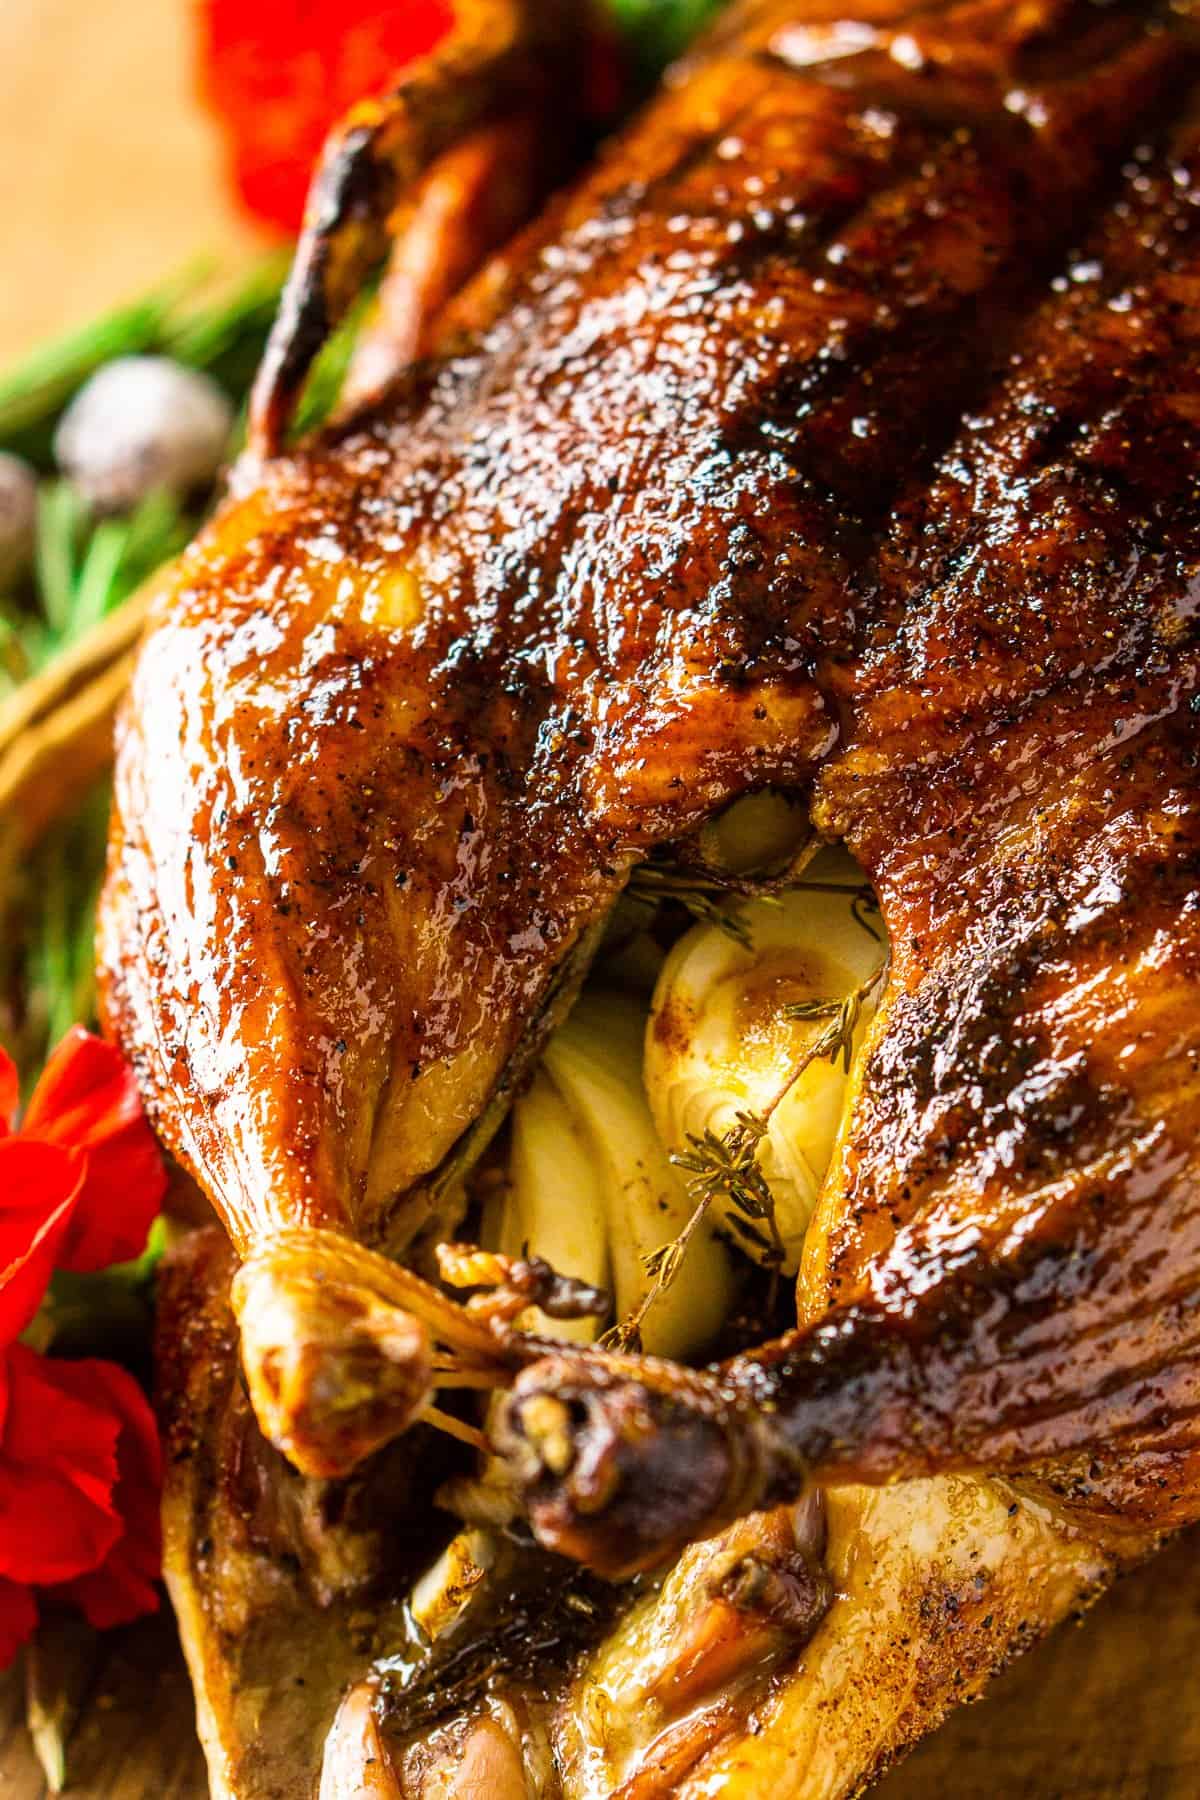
18,517
140,424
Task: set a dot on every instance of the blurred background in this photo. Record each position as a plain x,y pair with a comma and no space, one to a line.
112,174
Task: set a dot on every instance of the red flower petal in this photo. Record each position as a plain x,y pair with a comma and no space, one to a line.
39,1187
278,73
58,1469
85,1095
18,1618
87,1098
10,1089
124,1586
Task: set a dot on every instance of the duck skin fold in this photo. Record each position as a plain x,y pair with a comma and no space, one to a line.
836,433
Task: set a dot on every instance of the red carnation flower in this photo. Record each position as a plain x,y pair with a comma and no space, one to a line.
39,1186
123,1586
80,1471
80,1466
58,1469
80,1182
280,73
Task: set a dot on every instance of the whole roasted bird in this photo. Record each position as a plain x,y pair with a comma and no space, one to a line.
838,432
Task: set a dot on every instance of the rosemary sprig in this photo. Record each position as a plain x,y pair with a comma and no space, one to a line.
33,394
226,337
85,568
863,904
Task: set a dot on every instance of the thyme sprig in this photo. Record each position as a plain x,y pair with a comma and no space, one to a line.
708,894
721,1168
837,1040
726,1167
652,883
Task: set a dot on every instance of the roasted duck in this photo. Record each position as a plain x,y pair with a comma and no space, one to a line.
834,436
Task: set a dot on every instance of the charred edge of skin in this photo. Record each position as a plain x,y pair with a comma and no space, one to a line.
622,1461
498,59
352,186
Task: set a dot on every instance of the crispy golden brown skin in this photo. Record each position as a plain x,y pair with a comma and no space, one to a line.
902,1603
676,519
1004,1266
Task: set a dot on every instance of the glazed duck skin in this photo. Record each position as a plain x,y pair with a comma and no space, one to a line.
413,705
1003,1268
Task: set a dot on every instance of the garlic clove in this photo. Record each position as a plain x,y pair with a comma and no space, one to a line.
448,1587
719,1041
595,1062
142,424
554,1205
758,835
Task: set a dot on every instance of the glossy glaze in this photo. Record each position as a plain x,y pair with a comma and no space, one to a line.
677,517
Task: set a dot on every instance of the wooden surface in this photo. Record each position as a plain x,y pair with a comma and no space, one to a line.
108,181
109,174
136,1740
1106,1710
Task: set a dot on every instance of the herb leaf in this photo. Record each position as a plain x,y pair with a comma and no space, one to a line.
651,884
657,30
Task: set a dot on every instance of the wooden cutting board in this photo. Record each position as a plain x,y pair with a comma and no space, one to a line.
1106,1710
109,180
